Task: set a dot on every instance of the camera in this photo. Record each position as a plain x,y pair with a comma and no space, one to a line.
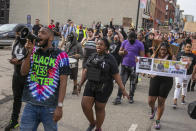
26,34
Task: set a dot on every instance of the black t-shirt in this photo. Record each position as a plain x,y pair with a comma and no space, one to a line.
108,67
148,44
18,52
36,28
56,31
187,57
114,49
146,47
43,80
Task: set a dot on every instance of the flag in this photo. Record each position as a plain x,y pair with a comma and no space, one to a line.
143,4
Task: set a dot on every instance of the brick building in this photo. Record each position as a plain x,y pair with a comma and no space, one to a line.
170,12
159,14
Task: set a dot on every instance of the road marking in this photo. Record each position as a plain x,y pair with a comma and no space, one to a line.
133,127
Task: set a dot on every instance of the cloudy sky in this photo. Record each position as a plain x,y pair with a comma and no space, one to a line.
189,7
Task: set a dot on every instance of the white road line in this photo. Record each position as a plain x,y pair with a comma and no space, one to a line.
133,127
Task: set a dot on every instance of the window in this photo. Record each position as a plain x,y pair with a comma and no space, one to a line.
167,7
2,14
7,6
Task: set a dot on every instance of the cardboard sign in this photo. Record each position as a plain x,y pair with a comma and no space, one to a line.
190,27
164,29
175,49
156,44
127,22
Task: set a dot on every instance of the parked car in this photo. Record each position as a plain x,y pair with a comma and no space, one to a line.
7,34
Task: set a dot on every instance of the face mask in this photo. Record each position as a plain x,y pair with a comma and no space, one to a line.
70,39
22,41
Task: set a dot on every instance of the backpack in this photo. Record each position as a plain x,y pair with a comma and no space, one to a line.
192,110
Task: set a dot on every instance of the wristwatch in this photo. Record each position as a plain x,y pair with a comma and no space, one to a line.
60,104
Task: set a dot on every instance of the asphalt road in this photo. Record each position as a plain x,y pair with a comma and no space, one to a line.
124,117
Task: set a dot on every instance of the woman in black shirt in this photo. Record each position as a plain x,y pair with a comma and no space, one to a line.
101,69
160,86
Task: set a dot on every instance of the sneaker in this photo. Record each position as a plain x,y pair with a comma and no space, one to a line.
90,128
131,101
11,125
157,125
174,106
117,101
153,113
183,102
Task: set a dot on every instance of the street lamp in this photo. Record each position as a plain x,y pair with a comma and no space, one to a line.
48,12
138,11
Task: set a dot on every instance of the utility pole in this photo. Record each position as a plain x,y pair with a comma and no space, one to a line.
48,12
138,12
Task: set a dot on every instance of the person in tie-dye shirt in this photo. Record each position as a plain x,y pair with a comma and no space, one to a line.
47,69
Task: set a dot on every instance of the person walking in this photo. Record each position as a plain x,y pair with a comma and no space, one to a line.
101,69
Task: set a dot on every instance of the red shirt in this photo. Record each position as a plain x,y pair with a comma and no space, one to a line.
51,26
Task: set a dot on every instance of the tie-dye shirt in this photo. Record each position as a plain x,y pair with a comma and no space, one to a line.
43,80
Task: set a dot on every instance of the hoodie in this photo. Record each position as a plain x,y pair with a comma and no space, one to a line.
74,47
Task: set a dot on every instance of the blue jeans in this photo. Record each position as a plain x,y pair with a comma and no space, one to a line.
55,43
128,73
33,115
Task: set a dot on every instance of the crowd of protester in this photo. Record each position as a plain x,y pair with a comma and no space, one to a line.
104,49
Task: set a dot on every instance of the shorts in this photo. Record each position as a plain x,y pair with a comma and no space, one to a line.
74,73
160,86
101,94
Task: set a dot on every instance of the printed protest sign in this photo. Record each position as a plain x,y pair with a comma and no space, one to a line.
161,67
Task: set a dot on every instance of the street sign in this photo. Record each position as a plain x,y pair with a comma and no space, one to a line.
28,19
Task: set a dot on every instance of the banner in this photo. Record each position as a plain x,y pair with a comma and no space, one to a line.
161,67
143,4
